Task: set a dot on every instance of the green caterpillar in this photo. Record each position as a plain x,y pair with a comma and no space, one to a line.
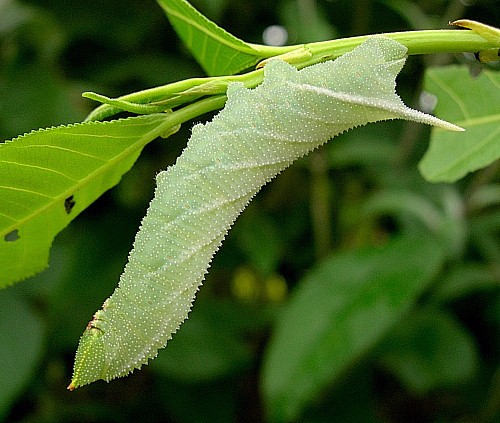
258,134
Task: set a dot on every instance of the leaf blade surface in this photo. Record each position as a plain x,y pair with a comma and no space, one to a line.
48,177
216,50
474,104
338,313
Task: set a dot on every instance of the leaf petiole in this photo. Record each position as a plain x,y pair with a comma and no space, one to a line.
183,92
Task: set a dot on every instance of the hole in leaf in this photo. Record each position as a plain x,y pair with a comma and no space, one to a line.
12,236
69,203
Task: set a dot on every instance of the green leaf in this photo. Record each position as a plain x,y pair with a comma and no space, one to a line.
467,279
405,202
48,177
337,315
473,104
217,51
21,343
429,351
412,210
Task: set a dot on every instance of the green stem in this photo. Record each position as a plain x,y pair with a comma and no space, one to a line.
189,112
189,90
417,42
175,94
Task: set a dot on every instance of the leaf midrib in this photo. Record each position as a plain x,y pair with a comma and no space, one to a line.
466,154
210,34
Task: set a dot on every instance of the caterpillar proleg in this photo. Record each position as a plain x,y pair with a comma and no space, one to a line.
259,133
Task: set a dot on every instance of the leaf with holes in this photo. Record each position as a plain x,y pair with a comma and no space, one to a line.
48,177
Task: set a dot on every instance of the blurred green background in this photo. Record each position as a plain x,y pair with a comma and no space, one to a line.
439,359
